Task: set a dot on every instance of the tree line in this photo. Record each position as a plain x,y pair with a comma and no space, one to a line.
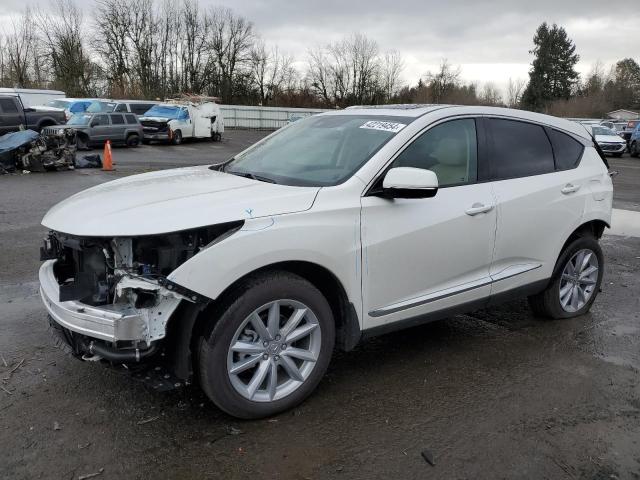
163,48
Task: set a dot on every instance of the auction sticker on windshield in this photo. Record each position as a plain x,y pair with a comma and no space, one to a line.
384,126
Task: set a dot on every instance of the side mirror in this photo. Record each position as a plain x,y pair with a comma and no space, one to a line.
409,182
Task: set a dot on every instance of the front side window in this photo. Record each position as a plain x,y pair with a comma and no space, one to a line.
79,119
100,120
121,107
8,105
450,150
319,150
518,149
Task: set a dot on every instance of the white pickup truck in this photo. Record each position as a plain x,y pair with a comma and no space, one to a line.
176,120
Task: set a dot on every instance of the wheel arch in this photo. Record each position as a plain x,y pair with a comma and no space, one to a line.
593,227
348,329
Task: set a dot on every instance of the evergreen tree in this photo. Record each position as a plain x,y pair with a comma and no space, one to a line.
552,75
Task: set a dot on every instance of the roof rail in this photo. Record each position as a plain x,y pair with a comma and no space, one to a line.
401,106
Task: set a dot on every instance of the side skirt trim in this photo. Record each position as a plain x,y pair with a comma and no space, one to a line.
508,272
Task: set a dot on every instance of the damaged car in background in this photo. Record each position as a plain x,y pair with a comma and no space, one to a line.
27,150
242,277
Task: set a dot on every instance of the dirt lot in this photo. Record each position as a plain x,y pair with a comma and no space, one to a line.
495,394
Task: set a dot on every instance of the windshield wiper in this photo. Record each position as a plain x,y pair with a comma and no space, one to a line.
250,175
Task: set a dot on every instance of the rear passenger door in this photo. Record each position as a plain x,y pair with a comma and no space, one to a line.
118,127
540,198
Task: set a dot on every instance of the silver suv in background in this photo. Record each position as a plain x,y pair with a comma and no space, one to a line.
137,107
94,129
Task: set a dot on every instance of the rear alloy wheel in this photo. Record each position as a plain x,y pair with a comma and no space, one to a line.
269,348
576,281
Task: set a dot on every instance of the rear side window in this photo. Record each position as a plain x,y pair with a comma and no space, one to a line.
131,119
519,149
567,150
140,108
117,120
7,105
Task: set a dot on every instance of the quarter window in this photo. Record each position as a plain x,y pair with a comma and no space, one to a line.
131,119
519,149
450,150
567,150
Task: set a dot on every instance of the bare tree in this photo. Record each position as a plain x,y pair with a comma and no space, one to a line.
515,89
111,26
270,71
20,45
231,37
64,53
392,67
444,81
490,95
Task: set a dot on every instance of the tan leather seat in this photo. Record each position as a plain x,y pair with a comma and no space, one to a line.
451,168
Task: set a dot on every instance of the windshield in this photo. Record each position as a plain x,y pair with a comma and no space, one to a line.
603,131
80,119
164,111
58,104
101,107
318,151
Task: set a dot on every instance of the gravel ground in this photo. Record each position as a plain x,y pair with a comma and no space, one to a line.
493,394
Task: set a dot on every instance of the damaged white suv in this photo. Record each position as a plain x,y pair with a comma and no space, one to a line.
243,276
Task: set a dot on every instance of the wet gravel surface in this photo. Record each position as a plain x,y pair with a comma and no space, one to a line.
493,394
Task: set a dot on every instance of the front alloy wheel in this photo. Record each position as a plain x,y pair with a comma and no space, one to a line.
274,351
266,345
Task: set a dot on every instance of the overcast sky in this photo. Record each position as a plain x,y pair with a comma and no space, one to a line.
489,39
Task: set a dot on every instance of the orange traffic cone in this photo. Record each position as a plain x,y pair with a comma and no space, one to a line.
107,162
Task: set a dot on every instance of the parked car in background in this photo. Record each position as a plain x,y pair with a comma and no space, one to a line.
94,129
243,276
628,130
634,141
31,97
137,107
609,141
70,106
618,127
173,122
13,115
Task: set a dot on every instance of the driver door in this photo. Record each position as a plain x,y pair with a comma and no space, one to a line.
429,254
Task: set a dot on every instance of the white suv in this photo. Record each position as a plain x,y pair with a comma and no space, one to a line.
243,276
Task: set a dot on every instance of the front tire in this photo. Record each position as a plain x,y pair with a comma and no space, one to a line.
176,139
575,283
266,346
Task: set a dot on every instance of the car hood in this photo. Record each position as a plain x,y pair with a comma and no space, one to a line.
155,119
609,139
172,200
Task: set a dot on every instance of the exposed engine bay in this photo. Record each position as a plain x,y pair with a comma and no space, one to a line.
130,274
27,150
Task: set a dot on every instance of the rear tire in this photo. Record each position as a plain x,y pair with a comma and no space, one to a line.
272,350
133,140
574,285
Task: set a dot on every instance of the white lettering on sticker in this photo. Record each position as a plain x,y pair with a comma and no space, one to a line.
384,126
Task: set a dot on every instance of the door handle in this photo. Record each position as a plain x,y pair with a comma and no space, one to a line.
570,188
478,208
